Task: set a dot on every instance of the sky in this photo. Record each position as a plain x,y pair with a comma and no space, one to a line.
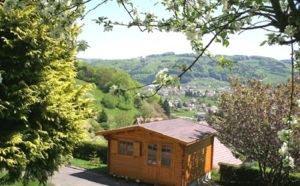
125,43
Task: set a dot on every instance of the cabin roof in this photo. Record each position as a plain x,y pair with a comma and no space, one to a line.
183,130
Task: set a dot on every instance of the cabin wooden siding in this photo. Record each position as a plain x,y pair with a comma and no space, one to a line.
188,163
190,146
136,167
125,165
199,159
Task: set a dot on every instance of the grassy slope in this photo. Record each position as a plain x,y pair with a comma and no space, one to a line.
97,106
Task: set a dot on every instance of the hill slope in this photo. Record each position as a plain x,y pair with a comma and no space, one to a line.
245,67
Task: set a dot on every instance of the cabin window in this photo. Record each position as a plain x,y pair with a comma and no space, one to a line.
166,155
125,148
152,153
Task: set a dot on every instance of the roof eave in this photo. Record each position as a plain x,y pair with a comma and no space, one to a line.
108,132
200,139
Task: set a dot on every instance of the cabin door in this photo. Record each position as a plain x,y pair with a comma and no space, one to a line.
159,166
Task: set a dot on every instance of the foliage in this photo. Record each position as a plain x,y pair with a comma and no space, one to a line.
98,96
245,67
95,160
30,183
151,110
121,110
104,76
239,174
95,126
123,120
41,111
109,101
85,149
104,126
243,175
249,120
166,107
102,117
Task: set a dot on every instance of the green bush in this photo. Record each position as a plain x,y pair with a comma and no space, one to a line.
109,101
85,149
246,175
239,174
124,106
104,126
294,180
95,160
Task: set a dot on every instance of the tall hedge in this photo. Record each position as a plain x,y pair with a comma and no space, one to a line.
86,149
247,176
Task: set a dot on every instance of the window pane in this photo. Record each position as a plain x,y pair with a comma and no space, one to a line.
129,148
166,155
152,152
122,148
126,148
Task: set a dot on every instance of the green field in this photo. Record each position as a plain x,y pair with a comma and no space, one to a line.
183,113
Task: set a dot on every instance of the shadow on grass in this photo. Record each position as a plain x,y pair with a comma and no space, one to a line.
102,170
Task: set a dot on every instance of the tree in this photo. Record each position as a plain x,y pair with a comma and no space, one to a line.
249,121
179,104
41,109
102,117
151,110
122,120
103,120
166,107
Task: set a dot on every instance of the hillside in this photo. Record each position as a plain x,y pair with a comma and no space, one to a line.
114,111
143,69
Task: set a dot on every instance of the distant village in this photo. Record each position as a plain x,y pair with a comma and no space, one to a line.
190,98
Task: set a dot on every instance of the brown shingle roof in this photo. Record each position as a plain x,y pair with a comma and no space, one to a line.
183,130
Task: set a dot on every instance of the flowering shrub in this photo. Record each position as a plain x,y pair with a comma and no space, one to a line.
250,122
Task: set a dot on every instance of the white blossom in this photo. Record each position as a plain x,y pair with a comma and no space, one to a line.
283,5
297,102
288,161
161,76
290,30
283,151
292,121
113,89
284,134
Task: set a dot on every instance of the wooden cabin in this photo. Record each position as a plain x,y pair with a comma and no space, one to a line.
169,152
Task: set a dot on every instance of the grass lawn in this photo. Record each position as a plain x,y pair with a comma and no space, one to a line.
87,165
183,113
